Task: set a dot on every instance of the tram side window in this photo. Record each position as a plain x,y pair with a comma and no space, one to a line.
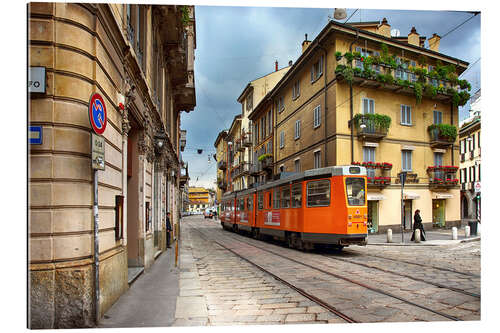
285,197
355,188
242,205
296,195
270,201
318,193
250,203
276,202
260,200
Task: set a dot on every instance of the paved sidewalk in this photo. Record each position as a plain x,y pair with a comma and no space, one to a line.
150,300
433,238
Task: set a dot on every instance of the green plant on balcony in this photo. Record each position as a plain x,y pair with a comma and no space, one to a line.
184,16
430,90
338,55
418,91
263,157
443,131
349,57
356,54
379,121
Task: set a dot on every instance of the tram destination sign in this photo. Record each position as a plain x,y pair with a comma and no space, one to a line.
98,145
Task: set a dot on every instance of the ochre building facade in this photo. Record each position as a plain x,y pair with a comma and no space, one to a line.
139,58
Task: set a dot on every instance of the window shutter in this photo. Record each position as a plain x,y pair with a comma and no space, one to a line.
403,115
365,106
312,73
408,116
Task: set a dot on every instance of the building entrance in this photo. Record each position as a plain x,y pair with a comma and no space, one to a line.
372,216
438,215
407,208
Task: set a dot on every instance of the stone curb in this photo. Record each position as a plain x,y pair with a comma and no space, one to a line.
439,242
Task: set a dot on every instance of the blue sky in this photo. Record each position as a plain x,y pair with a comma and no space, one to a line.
238,44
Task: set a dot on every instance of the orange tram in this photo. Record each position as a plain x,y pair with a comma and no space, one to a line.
318,207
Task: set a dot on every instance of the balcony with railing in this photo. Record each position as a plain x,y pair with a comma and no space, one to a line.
247,139
255,169
245,168
221,183
266,161
397,76
236,171
442,135
222,165
378,173
442,177
371,127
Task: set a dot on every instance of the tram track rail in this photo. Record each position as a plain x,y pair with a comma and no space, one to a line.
439,285
304,293
312,297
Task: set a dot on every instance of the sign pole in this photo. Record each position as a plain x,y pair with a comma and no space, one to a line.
96,247
402,178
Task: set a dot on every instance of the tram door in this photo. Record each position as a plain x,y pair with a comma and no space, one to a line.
407,214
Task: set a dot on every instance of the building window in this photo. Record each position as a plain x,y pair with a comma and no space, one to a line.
478,139
279,104
369,156
282,139
256,133
438,117
406,160
405,115
269,147
368,106
317,159
462,146
297,129
438,161
296,90
317,116
262,128
250,102
269,122
297,165
317,69
472,174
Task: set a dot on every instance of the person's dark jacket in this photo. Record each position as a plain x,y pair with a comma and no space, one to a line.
168,225
417,222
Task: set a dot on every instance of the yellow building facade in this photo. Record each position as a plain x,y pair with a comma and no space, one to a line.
328,110
221,157
139,58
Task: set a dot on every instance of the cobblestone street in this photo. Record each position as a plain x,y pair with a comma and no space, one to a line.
225,280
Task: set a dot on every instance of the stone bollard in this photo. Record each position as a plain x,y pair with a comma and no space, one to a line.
467,231
417,235
479,229
454,233
389,235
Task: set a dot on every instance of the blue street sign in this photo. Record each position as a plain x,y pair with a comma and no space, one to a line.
35,135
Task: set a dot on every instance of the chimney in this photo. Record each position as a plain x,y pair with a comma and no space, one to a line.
290,63
414,37
384,28
434,42
276,65
305,44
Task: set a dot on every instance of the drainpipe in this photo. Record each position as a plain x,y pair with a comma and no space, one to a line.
452,146
350,103
325,71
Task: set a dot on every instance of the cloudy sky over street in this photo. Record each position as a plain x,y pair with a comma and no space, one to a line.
238,44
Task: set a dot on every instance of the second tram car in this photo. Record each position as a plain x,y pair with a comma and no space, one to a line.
318,206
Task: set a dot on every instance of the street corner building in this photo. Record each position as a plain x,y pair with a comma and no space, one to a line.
139,59
359,96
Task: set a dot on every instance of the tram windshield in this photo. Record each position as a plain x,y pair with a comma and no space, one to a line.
355,188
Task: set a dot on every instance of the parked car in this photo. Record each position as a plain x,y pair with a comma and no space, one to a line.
208,213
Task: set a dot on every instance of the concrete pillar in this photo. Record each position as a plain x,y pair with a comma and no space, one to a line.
389,235
454,233
467,231
417,236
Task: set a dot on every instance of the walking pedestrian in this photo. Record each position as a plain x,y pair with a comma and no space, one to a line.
169,228
417,224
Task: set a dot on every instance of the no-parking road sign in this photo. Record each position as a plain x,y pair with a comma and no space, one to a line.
97,114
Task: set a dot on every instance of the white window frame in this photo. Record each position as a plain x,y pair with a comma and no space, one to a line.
317,69
405,114
296,163
404,160
282,139
317,154
317,116
297,129
368,102
434,113
296,90
369,156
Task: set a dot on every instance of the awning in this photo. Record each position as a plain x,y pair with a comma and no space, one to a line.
375,196
410,196
440,195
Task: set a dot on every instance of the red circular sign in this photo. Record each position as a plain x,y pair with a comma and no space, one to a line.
97,114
